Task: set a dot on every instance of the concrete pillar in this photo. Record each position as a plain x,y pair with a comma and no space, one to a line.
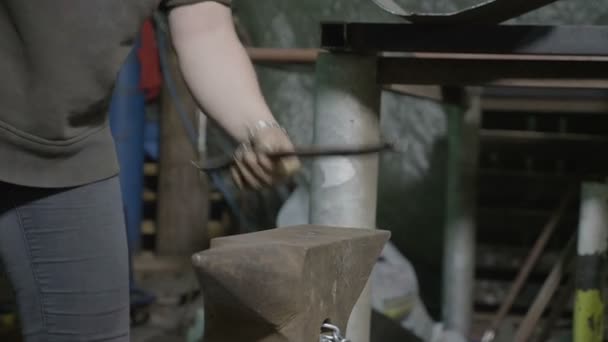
591,264
464,116
344,189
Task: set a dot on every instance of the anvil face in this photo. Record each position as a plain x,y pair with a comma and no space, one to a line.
283,284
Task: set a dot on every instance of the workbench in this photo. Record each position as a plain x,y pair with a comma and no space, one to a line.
358,59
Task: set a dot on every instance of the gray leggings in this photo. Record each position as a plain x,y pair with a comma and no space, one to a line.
66,255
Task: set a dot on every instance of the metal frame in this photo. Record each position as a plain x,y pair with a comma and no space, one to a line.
473,55
454,70
476,55
486,39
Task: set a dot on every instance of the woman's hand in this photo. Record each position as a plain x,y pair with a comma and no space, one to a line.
254,169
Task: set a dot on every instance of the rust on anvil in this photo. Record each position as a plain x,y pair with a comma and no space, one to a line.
281,285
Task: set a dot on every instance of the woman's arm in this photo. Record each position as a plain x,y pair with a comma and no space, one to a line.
222,79
216,67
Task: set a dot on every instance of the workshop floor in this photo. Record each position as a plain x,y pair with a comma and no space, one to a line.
173,283
170,280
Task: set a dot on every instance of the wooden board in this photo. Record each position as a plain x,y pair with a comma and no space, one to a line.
183,195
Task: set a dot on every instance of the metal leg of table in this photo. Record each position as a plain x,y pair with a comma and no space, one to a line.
459,246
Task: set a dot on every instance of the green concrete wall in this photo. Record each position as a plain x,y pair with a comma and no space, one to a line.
411,200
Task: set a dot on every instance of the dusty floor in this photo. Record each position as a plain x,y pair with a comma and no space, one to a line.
173,316
171,281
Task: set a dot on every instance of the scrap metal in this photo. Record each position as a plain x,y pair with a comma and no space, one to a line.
486,12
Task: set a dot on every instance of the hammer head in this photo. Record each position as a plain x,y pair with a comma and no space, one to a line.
283,284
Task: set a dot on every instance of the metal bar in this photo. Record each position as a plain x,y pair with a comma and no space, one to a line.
283,56
553,106
458,71
529,263
432,93
591,264
279,56
301,152
560,304
459,243
547,94
551,284
286,56
545,145
463,38
344,189
512,136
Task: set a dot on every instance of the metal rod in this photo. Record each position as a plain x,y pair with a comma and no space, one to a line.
553,106
460,228
497,72
529,263
421,75
301,152
551,284
591,264
557,309
344,190
283,56
510,136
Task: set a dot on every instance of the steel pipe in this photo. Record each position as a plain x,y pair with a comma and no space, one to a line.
459,245
283,56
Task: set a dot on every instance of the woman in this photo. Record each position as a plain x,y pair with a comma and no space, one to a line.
62,235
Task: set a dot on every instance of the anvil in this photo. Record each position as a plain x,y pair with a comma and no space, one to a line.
282,285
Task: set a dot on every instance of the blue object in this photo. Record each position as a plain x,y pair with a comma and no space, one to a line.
216,177
152,139
127,121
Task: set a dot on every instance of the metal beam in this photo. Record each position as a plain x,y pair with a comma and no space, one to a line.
477,71
463,38
545,100
527,267
553,106
283,56
408,81
543,144
551,285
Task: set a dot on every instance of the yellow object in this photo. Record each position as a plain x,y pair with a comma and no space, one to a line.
8,322
398,308
589,316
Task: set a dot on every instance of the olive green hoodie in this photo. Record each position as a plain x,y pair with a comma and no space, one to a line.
59,60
